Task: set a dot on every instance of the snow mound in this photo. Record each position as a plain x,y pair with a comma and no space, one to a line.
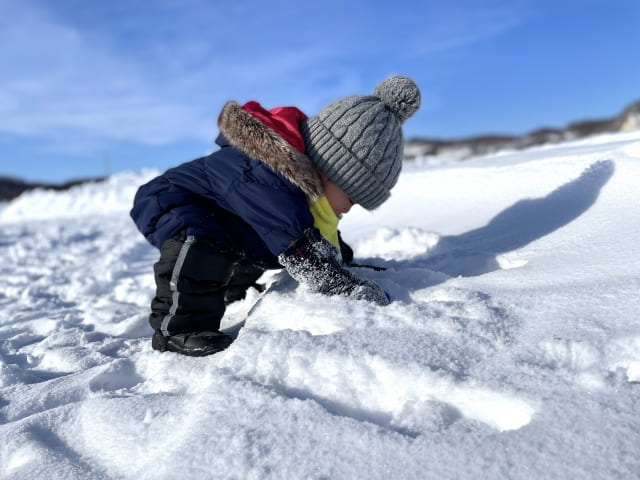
511,349
115,194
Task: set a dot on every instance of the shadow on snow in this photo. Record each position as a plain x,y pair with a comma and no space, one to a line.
474,252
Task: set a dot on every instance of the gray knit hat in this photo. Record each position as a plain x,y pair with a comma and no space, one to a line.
357,141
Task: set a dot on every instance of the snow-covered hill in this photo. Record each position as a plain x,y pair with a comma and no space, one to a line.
512,349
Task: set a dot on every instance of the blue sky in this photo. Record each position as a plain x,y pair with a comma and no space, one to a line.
89,87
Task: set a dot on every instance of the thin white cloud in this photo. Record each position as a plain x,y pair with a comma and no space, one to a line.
71,85
56,80
456,27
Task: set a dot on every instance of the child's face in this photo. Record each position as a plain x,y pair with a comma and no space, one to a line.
339,201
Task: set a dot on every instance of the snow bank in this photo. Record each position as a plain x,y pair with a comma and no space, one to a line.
113,195
511,350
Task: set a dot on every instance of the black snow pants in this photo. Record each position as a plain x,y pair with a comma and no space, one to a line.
195,281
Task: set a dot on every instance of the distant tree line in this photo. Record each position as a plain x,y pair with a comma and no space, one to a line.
10,187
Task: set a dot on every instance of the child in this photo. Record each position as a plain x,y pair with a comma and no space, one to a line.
271,197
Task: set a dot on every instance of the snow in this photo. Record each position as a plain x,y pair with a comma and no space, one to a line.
511,350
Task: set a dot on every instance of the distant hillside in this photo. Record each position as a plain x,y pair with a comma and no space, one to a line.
461,149
10,187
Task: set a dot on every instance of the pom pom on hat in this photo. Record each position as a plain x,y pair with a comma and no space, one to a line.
400,94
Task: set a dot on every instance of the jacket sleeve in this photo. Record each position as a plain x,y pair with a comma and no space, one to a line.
247,188
312,260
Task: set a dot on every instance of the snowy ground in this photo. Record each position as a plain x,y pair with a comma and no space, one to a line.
512,349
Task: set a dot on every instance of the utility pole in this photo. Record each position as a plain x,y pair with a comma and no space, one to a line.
107,164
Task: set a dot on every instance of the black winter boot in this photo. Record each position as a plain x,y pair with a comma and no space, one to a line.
192,344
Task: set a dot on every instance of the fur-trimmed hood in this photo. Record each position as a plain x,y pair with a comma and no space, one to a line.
249,135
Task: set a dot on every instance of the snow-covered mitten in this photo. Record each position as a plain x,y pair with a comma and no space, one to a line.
314,261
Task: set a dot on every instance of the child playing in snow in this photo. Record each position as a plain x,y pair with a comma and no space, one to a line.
271,197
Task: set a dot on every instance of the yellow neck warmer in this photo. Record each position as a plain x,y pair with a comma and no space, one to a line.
326,220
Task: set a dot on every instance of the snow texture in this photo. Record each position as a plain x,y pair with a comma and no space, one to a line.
511,350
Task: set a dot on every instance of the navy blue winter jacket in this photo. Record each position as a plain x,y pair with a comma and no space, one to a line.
240,202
